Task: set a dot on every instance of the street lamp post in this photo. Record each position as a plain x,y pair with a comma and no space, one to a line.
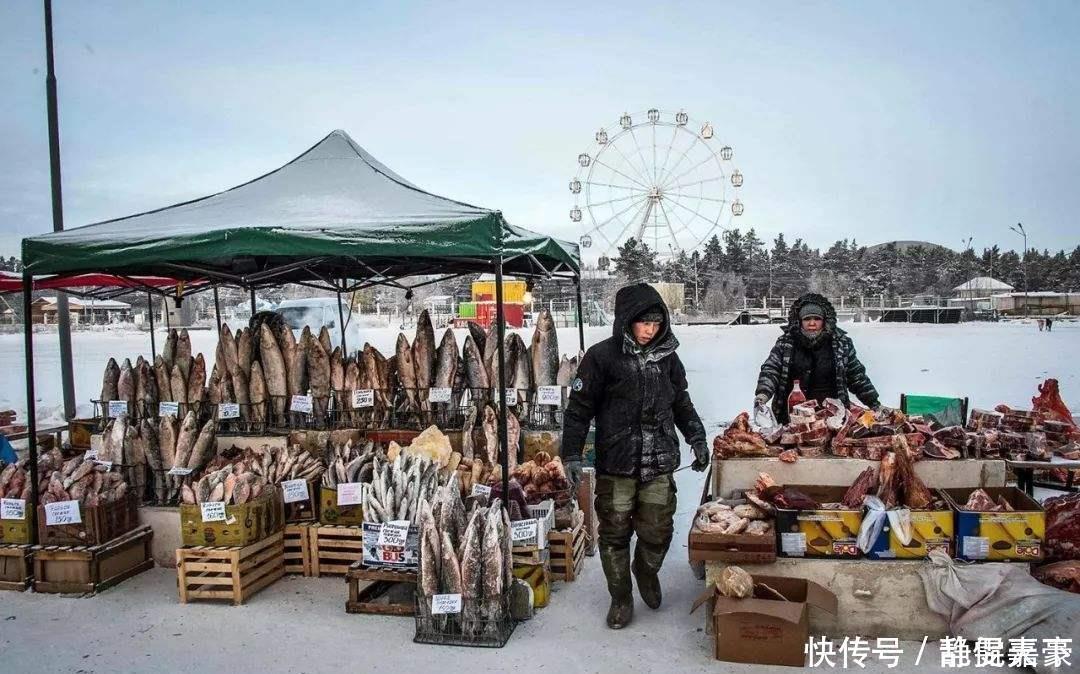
1019,229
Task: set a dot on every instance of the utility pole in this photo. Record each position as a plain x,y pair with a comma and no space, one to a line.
63,317
1019,229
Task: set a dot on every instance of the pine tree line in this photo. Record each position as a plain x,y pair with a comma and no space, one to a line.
739,264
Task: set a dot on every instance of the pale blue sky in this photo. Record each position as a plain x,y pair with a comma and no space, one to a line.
933,121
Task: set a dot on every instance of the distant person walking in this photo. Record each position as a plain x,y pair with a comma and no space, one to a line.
1042,324
1049,325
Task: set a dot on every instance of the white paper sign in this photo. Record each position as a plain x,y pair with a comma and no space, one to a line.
117,407
213,511
793,544
523,530
445,603
394,533
62,512
511,396
481,490
165,408
439,395
350,493
302,404
89,455
295,490
976,547
228,411
107,464
179,472
12,509
363,397
549,395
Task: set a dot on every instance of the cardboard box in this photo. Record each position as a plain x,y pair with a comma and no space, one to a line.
244,524
331,513
930,530
819,532
998,536
764,629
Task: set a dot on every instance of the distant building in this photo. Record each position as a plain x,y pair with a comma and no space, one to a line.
1037,303
976,296
92,312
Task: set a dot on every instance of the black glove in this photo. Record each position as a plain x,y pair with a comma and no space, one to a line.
701,457
573,472
761,399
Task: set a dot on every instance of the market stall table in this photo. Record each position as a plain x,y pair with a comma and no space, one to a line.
1025,472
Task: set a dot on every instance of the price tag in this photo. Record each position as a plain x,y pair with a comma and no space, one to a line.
793,544
117,407
976,547
363,397
394,534
12,509
108,464
549,395
168,408
303,404
511,396
523,530
62,512
350,493
295,490
89,455
179,472
481,490
228,411
439,395
213,511
445,603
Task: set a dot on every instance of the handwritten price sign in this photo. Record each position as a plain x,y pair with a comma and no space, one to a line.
62,512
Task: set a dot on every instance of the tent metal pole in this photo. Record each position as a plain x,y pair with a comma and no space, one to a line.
580,322
217,310
31,413
62,312
253,312
500,333
165,310
341,324
150,311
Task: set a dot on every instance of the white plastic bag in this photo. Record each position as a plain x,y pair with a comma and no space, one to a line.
874,522
764,417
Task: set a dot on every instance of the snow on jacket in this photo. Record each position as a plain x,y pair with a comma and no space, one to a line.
637,396
850,373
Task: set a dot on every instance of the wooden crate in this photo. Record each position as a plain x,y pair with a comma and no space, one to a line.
302,511
298,549
16,570
334,549
369,591
732,548
233,574
568,550
100,524
88,570
531,556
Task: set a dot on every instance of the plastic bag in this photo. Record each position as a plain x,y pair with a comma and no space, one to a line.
874,519
999,600
764,417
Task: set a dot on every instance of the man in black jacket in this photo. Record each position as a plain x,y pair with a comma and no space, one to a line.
819,355
634,386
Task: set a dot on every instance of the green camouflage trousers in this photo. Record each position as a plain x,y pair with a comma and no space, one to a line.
624,507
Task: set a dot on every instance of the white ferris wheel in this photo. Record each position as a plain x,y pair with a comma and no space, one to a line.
658,177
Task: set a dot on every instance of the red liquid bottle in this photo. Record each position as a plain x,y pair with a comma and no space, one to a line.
796,396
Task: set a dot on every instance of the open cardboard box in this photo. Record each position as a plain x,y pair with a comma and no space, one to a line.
764,629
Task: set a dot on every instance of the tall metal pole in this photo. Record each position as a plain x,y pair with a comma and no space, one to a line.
31,413
217,310
341,322
500,334
63,317
253,312
150,310
1019,229
580,314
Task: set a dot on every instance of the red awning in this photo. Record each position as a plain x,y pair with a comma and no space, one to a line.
12,283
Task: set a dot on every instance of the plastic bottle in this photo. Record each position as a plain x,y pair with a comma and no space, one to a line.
796,396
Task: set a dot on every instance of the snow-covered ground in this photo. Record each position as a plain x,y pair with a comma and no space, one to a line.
990,363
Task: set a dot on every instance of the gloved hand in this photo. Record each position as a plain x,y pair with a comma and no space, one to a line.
761,399
701,457
573,473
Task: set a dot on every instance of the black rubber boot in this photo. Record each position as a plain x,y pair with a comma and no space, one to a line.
648,584
621,612
616,563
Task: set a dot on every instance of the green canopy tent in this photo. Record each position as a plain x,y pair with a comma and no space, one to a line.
334,218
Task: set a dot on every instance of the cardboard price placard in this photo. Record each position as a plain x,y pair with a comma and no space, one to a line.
363,397
12,509
439,395
302,404
511,396
228,411
179,472
523,530
394,534
549,395
168,408
213,511
350,493
481,490
295,490
62,512
117,407
445,603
